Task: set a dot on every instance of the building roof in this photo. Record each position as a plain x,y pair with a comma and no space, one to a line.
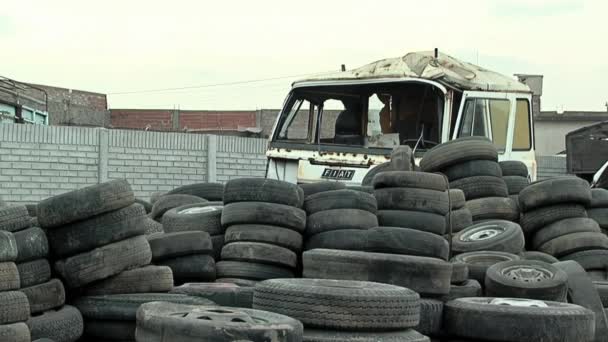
444,69
591,116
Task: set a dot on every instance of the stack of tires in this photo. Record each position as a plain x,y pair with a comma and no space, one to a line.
339,217
598,208
96,238
189,255
167,202
344,311
459,216
556,222
410,199
15,306
471,165
264,226
516,176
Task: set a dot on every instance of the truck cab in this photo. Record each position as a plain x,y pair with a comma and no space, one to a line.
340,126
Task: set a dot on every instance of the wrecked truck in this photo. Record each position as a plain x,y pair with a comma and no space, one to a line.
340,126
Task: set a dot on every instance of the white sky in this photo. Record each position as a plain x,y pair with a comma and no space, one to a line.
118,46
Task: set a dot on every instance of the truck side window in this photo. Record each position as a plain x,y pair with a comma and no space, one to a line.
522,133
296,123
486,117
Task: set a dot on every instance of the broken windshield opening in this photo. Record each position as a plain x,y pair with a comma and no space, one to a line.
379,116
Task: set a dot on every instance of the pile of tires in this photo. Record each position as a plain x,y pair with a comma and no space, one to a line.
410,199
344,311
471,165
459,216
516,176
598,208
338,219
264,226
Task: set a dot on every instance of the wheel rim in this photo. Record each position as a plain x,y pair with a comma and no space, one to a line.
217,315
527,274
199,210
528,303
482,233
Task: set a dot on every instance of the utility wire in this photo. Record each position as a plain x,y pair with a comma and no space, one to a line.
216,84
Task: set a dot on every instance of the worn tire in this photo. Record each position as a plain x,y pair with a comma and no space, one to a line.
31,244
564,227
151,226
481,186
251,271
534,220
479,262
147,205
386,306
476,318
426,222
421,274
34,272
575,242
223,294
340,199
337,219
172,245
496,235
431,201
147,279
14,307
378,169
257,252
363,188
46,296
457,199
14,218
458,151
157,322
515,184
264,213
593,259
9,276
560,190
63,325
314,188
199,268
599,215
599,198
460,272
84,203
278,236
493,208
407,241
581,291
218,243
343,239
194,217
546,283
410,179
458,220
168,202
468,288
431,317
8,247
538,256
123,307
262,190
514,168
473,168
408,335
16,332
104,262
208,191
97,231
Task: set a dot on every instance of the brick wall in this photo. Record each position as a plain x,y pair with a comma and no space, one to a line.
39,161
179,120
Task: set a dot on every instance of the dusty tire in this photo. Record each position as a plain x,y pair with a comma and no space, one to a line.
599,215
599,198
468,288
476,318
581,291
387,306
560,190
526,279
14,307
9,276
460,272
406,241
497,235
264,213
575,242
278,236
31,244
336,219
97,231
479,262
194,217
151,226
481,186
426,222
262,190
218,243
593,259
457,199
251,271
223,294
63,325
168,202
16,332
8,247
198,268
458,220
147,279
514,168
410,179
564,227
46,296
208,191
14,218
493,208
515,184
104,262
340,199
343,239
431,201
172,245
408,335
84,203
421,274
538,256
473,168
314,188
534,220
34,272
262,253
431,317
458,151
158,322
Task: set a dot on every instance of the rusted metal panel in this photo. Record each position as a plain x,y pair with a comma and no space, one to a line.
587,148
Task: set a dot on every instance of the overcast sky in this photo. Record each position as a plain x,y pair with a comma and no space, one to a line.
117,46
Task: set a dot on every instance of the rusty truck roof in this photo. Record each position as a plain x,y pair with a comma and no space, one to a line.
443,69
